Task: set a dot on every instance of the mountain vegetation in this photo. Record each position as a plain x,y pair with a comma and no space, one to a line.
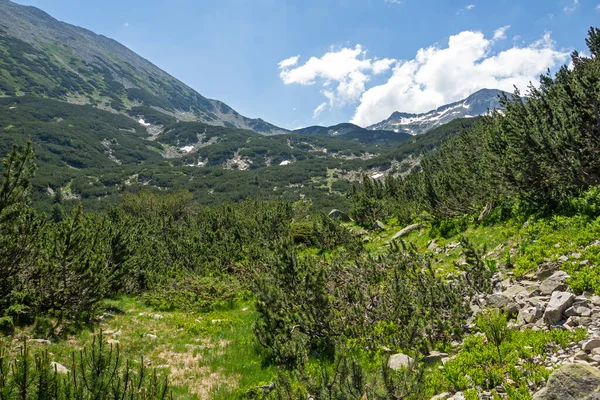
148,255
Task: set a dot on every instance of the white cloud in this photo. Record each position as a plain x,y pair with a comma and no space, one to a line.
500,33
319,110
598,7
467,8
126,25
393,1
288,62
349,68
570,8
438,76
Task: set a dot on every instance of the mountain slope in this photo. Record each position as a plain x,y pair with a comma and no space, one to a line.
350,131
42,56
476,104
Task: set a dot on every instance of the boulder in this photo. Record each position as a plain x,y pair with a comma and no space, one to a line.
497,300
399,360
545,270
571,382
550,286
59,368
560,276
559,302
405,231
378,226
514,291
339,214
578,311
590,344
529,315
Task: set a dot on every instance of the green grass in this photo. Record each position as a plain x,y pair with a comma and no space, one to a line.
207,355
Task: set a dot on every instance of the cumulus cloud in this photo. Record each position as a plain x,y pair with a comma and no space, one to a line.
441,75
598,7
289,62
572,7
342,73
126,25
393,1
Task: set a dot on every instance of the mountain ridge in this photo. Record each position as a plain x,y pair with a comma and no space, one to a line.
474,105
98,69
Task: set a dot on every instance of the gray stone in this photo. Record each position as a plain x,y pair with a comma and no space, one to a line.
434,357
550,286
150,336
560,276
512,308
590,344
339,214
578,311
530,315
378,226
405,231
514,291
563,259
59,368
399,360
571,382
545,270
441,396
559,302
497,300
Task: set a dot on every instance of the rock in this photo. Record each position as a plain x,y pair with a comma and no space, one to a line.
514,290
157,316
485,212
150,336
559,302
572,382
59,368
529,315
339,214
550,286
590,344
513,308
378,226
563,259
578,311
458,396
399,360
497,300
560,276
407,230
434,357
441,396
584,263
112,341
545,270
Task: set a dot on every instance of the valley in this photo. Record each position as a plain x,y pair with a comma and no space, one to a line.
156,244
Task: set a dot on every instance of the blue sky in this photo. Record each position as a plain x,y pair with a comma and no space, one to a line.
371,57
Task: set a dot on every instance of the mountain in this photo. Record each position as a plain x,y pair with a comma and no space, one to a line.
42,56
353,132
476,104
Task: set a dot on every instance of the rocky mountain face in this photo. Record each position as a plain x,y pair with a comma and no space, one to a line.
414,124
42,56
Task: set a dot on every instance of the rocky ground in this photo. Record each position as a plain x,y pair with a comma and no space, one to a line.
542,301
